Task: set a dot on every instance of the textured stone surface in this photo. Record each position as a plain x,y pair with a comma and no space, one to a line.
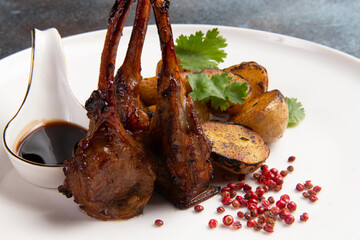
334,23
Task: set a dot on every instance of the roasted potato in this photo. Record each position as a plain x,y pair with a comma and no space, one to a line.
235,148
267,115
257,77
158,67
148,88
148,91
255,74
185,80
202,111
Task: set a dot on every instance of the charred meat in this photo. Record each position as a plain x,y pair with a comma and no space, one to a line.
184,171
111,176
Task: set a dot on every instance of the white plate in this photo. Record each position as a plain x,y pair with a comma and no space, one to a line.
325,144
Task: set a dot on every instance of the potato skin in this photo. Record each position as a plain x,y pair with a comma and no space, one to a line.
236,148
255,74
202,111
148,88
148,91
257,77
267,115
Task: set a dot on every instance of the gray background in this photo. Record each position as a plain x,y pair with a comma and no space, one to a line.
334,23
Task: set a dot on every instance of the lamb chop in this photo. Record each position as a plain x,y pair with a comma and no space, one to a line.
184,171
128,78
111,176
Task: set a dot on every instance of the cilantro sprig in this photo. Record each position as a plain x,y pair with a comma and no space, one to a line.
197,52
296,111
218,90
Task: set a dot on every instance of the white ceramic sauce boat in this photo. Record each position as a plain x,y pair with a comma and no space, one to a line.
48,98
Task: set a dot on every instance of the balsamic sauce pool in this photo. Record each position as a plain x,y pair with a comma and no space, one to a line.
52,143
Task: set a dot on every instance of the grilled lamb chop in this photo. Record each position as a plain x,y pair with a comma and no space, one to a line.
111,176
128,78
184,171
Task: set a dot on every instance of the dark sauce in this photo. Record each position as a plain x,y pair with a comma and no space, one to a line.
52,143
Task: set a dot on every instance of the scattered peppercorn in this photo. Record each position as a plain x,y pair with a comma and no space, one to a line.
247,215
285,198
226,201
284,173
271,200
259,214
213,223
291,159
300,187
313,198
228,220
240,214
232,186
265,203
220,209
306,194
311,192
261,220
247,188
275,211
256,175
289,219
235,203
258,227
291,206
304,217
317,189
198,208
236,225
251,223
268,228
159,222
278,188
281,204
270,221
283,213
225,194
308,185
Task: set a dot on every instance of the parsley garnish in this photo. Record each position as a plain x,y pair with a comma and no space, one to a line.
218,90
296,111
197,52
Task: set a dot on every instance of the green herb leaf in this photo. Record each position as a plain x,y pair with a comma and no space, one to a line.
296,111
197,52
218,90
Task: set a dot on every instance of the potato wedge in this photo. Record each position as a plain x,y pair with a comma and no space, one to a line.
202,111
185,80
148,88
148,91
235,148
158,67
257,77
255,74
267,115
